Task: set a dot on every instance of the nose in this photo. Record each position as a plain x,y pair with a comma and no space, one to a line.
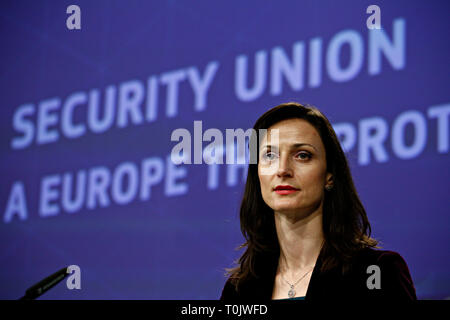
284,167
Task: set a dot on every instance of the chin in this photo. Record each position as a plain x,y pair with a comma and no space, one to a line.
285,208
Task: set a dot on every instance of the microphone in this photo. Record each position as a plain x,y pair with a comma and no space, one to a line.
44,285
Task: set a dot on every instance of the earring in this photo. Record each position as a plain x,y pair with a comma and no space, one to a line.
329,187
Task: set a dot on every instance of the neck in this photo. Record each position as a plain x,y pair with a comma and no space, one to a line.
300,241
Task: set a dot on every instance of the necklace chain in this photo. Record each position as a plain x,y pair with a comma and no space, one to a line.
291,292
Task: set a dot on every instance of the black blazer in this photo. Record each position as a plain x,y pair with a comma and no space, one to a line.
395,279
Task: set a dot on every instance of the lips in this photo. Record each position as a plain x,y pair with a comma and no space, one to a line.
285,187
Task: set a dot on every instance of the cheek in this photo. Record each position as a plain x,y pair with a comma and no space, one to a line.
264,182
312,180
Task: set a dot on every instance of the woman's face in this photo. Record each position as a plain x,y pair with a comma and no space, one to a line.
293,171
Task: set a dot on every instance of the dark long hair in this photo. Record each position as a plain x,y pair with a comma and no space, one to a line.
345,226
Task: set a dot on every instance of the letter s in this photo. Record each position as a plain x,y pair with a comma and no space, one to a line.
23,125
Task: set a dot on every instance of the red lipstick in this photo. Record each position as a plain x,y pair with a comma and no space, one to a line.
285,189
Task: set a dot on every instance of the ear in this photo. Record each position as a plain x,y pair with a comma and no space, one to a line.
329,180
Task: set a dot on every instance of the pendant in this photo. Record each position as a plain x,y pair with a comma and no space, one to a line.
291,292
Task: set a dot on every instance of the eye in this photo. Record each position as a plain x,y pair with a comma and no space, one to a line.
269,156
303,155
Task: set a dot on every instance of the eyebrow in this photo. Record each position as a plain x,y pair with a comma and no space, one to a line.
295,145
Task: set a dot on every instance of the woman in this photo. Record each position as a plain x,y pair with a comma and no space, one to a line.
306,230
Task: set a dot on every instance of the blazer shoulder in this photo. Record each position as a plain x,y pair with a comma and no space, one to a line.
386,258
374,255
396,281
254,289
229,291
